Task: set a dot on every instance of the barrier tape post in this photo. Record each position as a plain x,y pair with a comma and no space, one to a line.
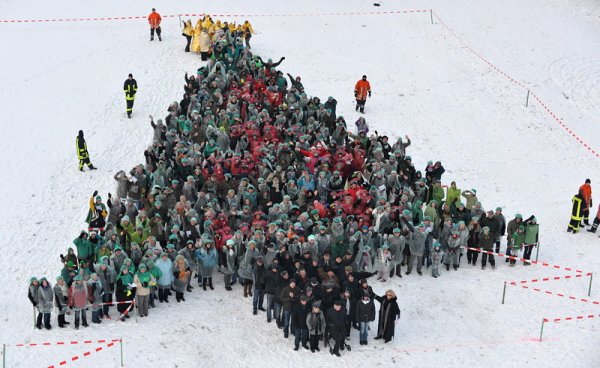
504,292
527,99
34,321
542,329
3,355
121,342
590,288
431,15
537,251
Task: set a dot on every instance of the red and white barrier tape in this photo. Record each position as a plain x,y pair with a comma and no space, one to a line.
541,263
557,294
213,15
84,342
550,278
556,320
520,84
85,355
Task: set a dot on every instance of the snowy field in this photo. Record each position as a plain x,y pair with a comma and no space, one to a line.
58,78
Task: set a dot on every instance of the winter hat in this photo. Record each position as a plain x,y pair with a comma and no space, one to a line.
31,280
338,303
499,209
317,304
519,216
348,268
303,298
396,230
60,278
143,266
70,264
588,181
170,246
436,245
486,228
98,198
78,278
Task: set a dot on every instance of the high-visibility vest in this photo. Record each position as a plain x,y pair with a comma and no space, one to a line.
576,211
82,152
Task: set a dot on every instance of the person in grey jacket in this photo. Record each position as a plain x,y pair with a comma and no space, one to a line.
45,301
61,300
417,248
32,294
107,277
315,321
122,184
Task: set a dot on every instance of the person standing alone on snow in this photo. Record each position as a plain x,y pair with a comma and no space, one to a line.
361,90
154,20
130,88
576,212
82,152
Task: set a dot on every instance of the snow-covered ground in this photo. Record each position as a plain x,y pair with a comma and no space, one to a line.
58,78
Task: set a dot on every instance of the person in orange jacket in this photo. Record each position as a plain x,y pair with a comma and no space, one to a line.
586,190
361,90
154,20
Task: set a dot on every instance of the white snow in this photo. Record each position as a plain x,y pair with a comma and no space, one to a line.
60,77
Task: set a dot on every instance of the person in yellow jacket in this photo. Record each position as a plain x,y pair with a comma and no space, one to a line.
130,89
188,33
204,44
82,152
576,212
247,31
207,22
196,37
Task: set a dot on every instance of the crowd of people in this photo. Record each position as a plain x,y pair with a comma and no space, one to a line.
250,178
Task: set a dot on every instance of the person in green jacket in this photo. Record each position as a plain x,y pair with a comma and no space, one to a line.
432,212
157,274
85,249
471,197
437,192
531,237
452,194
517,241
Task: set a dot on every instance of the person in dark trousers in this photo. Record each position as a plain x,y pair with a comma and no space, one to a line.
154,20
130,88
336,325
362,89
82,152
258,274
316,325
389,312
576,212
299,313
596,222
586,192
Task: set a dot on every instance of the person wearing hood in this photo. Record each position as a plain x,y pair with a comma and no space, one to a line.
389,313
96,291
85,250
143,281
79,296
164,264
532,229
106,275
82,152
207,261
181,277
61,300
45,301
125,292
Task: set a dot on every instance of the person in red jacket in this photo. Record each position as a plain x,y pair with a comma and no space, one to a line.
586,190
361,90
154,20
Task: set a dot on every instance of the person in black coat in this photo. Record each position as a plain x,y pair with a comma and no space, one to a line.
82,152
130,88
271,282
365,313
299,313
336,326
388,314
